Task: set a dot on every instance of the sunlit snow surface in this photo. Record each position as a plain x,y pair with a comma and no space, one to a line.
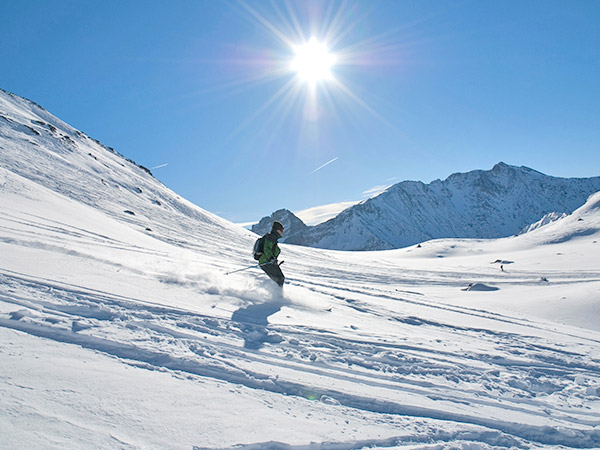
120,329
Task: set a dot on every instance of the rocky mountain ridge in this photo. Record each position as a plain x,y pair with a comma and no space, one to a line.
478,204
292,224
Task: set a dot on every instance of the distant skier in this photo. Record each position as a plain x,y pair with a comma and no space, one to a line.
271,251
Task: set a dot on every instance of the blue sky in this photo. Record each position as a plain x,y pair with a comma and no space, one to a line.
421,89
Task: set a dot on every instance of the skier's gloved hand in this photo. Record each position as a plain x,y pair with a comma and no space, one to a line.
273,261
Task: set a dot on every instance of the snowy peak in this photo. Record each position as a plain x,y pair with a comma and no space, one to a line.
288,219
479,204
503,168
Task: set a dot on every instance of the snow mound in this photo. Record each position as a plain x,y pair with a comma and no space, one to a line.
584,222
481,287
591,206
548,218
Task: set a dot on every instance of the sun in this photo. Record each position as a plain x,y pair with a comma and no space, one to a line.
313,61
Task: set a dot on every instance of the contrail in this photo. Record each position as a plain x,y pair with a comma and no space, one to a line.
326,164
158,167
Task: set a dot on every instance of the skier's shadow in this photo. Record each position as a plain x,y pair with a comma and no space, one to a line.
254,321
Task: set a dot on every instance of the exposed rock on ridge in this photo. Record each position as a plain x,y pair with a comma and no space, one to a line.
478,204
292,224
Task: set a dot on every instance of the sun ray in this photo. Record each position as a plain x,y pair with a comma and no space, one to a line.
299,32
340,28
281,92
326,22
241,84
288,22
336,29
267,24
281,113
364,105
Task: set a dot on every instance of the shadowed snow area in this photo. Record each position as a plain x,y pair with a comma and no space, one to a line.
119,328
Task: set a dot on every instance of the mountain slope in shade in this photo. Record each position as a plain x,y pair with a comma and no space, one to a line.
292,224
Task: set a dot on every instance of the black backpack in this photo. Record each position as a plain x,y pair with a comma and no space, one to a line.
259,246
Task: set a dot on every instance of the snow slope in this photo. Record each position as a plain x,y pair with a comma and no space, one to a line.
113,336
42,148
548,218
319,214
477,204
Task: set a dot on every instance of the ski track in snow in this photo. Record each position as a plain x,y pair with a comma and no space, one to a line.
157,338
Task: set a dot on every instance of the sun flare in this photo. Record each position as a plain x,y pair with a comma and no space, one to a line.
313,61
312,69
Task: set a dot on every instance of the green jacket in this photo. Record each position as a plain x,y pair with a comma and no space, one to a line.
270,249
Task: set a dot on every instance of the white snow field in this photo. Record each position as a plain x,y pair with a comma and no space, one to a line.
119,328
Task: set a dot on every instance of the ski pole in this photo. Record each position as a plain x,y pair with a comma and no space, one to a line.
250,267
245,268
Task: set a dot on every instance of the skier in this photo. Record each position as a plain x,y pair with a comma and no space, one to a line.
271,251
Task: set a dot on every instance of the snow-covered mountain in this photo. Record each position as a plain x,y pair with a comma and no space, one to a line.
122,327
40,147
292,224
477,204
